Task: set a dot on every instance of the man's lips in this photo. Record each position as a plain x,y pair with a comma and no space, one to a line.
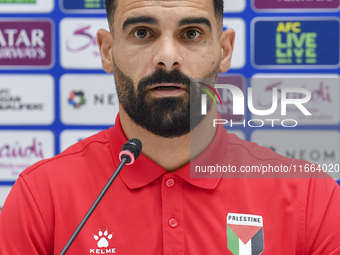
167,86
167,89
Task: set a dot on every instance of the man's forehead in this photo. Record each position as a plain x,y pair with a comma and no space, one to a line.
169,10
165,3
137,6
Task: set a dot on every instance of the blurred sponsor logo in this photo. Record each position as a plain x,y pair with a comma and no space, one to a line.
17,1
283,5
100,102
324,104
319,147
26,43
234,5
79,47
77,99
26,6
21,149
83,5
295,43
26,99
10,102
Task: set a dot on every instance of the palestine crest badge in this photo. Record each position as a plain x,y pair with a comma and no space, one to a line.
245,234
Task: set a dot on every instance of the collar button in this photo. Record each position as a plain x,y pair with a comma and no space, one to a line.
170,182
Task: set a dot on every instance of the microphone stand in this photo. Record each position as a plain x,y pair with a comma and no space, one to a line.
88,214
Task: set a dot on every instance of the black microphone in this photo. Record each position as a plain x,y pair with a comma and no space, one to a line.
130,152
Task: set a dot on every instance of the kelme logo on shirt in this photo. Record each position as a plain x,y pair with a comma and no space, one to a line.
245,234
103,243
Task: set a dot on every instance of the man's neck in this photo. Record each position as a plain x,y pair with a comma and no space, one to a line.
171,153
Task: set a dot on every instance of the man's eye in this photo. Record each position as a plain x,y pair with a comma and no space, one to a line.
141,33
192,34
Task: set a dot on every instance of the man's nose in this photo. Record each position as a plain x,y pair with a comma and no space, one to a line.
167,53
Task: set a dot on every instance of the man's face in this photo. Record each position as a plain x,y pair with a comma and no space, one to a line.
157,47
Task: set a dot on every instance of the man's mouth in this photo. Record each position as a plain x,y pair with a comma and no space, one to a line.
168,86
167,89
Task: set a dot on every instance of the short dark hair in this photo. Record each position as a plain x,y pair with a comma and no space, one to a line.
111,5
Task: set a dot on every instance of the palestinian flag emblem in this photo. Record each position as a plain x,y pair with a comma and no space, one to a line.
245,234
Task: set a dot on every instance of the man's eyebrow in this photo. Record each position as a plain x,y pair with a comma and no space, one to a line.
135,20
195,20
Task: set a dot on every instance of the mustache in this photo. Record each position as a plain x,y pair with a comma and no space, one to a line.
161,76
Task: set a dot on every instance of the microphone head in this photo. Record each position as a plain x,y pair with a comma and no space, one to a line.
131,150
134,145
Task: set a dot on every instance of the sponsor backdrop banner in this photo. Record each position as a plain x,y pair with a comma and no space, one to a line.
324,104
26,43
26,99
323,150
89,6
88,99
78,43
287,5
20,149
26,6
54,93
290,43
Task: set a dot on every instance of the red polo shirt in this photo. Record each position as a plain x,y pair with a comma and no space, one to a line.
150,211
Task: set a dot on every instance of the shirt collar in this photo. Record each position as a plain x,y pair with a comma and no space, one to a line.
144,170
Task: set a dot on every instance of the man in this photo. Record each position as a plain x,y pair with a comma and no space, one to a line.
155,48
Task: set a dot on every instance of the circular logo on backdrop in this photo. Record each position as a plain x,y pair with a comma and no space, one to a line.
77,99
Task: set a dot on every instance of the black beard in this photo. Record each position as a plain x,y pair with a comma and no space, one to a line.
168,116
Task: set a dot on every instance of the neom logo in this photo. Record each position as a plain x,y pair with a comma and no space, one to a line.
76,99
18,151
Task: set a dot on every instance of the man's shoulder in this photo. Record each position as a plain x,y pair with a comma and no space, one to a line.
84,150
240,148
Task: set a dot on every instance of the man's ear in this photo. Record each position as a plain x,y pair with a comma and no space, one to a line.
227,41
105,42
